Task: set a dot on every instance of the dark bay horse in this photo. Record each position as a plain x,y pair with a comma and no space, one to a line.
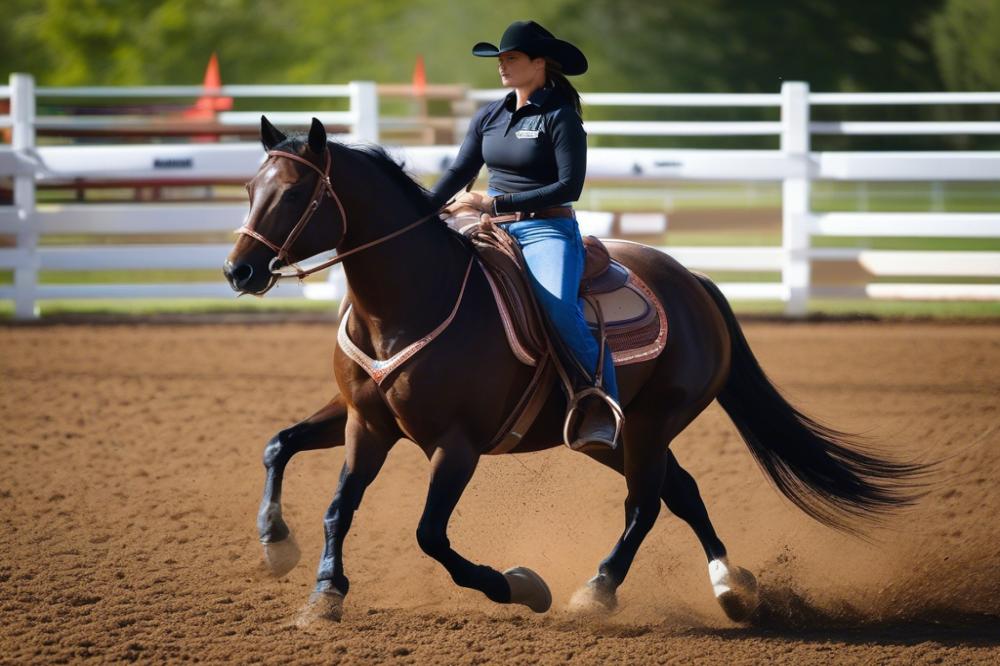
451,396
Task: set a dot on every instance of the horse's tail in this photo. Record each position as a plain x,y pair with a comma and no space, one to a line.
825,472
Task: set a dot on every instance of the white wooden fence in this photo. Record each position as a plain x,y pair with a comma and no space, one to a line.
793,164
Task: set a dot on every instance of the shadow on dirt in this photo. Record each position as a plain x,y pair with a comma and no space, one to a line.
786,614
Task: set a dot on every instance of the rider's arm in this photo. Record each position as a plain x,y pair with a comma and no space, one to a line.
466,165
569,142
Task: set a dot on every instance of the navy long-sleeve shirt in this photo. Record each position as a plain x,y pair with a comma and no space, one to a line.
536,155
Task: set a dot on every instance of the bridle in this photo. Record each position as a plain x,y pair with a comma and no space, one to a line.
377,369
323,188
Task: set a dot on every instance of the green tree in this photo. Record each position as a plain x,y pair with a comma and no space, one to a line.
711,45
738,46
93,42
966,37
20,50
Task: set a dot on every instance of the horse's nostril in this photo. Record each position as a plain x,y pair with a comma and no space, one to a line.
242,274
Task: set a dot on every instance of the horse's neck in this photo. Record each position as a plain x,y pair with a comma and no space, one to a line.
407,280
403,288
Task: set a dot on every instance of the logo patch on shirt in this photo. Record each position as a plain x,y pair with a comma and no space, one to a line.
527,134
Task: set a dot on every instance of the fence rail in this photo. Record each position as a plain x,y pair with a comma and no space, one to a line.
793,164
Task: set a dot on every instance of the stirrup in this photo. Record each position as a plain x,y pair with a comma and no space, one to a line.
616,412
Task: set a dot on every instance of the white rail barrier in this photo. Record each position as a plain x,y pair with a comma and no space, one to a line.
793,164
163,163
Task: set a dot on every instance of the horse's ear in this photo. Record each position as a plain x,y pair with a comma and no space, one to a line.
317,137
270,136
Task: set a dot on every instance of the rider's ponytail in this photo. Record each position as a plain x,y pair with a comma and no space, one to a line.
558,80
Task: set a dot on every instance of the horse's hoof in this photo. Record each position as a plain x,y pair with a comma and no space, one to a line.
325,606
597,597
271,526
735,588
528,588
281,556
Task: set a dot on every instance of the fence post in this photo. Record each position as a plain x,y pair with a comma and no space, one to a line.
22,112
364,112
795,189
364,109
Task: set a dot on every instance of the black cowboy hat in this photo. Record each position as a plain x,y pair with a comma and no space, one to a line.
534,40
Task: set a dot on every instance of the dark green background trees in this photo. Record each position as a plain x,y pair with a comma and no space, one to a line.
710,45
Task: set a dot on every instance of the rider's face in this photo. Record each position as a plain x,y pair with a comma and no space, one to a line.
517,69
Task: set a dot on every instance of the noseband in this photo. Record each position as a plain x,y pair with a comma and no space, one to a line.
323,188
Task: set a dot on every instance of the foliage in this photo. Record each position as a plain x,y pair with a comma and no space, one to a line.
710,45
738,46
122,42
966,36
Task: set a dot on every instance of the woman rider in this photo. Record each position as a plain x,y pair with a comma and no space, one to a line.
534,146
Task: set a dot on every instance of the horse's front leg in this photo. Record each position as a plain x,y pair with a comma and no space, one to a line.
366,450
322,430
452,467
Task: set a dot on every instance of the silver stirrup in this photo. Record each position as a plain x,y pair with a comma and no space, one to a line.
616,412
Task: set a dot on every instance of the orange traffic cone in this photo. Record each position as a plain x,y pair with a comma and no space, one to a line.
419,77
207,105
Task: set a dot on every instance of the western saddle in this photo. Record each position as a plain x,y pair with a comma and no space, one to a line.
624,315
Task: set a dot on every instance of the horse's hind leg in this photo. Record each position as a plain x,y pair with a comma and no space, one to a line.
680,494
734,587
322,430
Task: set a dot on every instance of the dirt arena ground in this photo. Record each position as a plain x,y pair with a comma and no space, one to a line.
132,475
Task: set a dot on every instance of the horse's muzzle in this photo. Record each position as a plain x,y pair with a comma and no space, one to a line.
238,275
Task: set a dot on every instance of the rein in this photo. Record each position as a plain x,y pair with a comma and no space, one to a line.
323,188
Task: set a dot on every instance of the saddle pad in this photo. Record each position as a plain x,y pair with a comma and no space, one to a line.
621,306
634,320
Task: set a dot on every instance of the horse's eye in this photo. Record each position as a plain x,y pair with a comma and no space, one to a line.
291,195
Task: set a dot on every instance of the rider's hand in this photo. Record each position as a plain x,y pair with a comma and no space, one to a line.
476,200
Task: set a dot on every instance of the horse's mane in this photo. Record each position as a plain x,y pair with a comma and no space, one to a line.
416,193
419,195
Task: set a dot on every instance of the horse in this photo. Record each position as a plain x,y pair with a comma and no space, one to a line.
407,272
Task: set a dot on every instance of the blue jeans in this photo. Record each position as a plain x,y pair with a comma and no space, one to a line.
553,251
